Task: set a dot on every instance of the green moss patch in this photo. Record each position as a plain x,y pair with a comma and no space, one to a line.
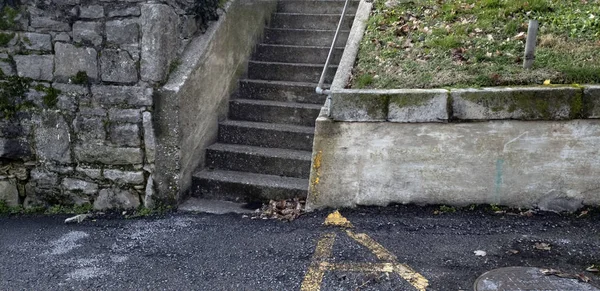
474,43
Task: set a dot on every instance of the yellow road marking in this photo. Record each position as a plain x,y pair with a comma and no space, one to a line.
314,276
336,219
377,249
319,264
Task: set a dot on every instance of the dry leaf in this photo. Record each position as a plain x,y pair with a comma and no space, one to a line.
592,269
480,253
542,246
520,36
547,82
512,252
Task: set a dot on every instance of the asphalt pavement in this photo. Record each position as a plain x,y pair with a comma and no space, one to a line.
196,251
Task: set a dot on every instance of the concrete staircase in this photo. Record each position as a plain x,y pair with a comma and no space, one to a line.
264,148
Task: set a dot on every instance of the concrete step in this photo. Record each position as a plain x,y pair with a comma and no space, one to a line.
270,161
268,135
309,73
310,21
246,187
305,37
320,6
296,54
280,91
274,111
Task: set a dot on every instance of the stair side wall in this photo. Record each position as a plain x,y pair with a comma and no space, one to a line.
196,96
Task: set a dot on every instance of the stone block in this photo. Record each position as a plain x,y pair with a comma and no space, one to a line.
14,149
88,32
122,32
82,186
89,128
69,60
159,46
418,106
126,135
43,178
122,95
591,101
149,138
124,12
66,103
116,199
89,172
37,67
63,36
52,138
92,111
359,105
37,41
124,177
5,66
91,11
527,103
9,193
124,115
71,90
46,24
118,67
108,155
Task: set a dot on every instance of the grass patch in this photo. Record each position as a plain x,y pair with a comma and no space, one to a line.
474,43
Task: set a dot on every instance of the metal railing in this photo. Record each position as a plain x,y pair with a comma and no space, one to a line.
319,88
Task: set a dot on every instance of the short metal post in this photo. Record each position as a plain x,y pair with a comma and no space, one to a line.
530,44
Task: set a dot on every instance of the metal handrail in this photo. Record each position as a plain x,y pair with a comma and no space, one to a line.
319,88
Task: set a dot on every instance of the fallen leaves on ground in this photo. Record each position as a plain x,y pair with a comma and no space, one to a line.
593,269
480,253
542,246
288,210
561,274
512,252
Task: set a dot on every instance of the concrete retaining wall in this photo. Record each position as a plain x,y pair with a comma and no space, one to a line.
196,97
521,147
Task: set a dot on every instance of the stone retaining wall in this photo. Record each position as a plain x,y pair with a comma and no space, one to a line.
82,130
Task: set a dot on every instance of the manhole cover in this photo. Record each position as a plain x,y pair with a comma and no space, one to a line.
527,278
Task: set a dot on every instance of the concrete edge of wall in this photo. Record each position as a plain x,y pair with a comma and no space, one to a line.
172,115
357,32
447,105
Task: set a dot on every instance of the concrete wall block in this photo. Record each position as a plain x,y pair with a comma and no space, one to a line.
126,135
118,67
37,41
69,60
125,177
9,193
52,137
122,95
591,101
122,32
418,106
359,105
88,32
37,67
160,41
527,103
78,185
550,164
108,155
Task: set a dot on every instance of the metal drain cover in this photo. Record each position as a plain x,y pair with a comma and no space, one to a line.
527,278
